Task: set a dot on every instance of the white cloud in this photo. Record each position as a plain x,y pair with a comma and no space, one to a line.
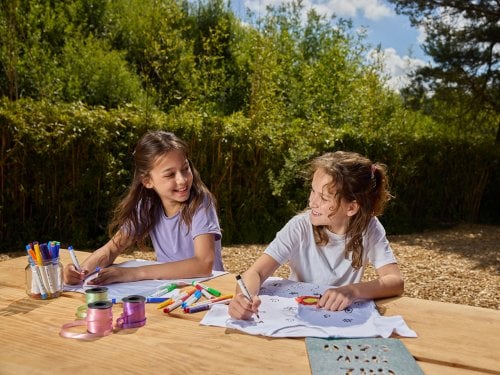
371,9
396,67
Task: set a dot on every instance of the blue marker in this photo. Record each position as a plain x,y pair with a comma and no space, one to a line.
148,300
74,259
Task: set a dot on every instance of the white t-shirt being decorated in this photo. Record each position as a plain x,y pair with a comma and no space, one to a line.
326,265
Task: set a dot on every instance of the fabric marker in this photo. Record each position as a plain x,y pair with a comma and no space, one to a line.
74,259
226,297
147,300
195,309
245,291
47,282
213,300
212,291
167,302
163,290
38,278
204,292
192,299
183,295
155,299
180,299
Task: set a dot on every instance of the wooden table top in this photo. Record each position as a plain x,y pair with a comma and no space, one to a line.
453,339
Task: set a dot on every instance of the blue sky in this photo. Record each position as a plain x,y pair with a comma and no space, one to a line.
400,42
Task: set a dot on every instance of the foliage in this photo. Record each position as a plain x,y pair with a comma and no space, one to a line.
462,39
82,80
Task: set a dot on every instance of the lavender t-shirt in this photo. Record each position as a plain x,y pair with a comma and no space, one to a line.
173,241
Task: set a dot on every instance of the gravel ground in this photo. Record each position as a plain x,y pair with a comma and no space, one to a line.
459,265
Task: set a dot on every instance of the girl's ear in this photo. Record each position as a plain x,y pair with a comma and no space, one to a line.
352,208
146,182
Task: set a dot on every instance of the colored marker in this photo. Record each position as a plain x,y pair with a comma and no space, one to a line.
191,299
147,300
155,299
204,292
244,290
46,280
74,259
167,302
180,299
195,309
35,271
217,299
212,291
163,290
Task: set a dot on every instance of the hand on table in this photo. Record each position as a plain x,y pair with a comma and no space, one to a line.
336,299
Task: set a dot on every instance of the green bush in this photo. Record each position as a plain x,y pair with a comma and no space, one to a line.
65,166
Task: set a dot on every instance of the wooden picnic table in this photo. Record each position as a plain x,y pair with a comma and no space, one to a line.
452,339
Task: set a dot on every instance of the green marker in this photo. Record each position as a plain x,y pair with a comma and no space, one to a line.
163,290
212,291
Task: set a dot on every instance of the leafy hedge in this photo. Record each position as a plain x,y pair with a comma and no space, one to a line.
64,166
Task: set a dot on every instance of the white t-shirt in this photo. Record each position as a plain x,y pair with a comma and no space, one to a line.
326,265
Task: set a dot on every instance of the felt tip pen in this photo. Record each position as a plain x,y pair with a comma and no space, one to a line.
74,259
155,299
147,300
204,292
245,291
180,298
163,290
192,299
167,302
198,308
212,291
213,300
38,278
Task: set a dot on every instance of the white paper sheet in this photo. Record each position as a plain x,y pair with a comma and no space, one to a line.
279,316
144,287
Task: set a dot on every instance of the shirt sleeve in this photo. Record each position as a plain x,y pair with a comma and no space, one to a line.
206,221
377,245
282,248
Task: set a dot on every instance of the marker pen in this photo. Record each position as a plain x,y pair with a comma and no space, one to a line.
204,307
192,299
74,259
163,290
212,291
245,291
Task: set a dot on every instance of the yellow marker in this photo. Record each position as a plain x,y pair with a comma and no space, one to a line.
47,282
165,303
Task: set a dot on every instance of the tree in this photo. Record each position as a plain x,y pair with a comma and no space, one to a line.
462,37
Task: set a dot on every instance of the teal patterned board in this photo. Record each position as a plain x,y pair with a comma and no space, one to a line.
381,356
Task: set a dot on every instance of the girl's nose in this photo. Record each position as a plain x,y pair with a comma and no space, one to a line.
180,178
311,199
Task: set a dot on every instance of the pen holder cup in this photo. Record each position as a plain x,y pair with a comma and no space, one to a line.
44,281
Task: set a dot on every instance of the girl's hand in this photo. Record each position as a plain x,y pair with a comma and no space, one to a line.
72,276
241,308
112,275
336,299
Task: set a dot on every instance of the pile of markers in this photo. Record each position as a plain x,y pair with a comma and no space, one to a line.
189,298
46,271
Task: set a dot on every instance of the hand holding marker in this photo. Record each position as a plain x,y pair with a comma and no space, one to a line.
245,291
74,259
